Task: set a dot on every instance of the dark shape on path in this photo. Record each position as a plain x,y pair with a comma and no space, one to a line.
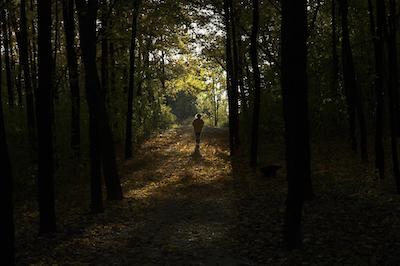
270,170
196,153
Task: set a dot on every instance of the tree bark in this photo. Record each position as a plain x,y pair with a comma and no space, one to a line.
87,14
73,76
131,85
295,108
235,75
231,80
393,90
378,41
257,84
7,57
24,56
45,135
353,94
335,56
6,190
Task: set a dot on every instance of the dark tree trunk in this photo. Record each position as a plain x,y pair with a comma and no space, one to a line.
112,67
7,57
55,51
6,190
72,61
231,80
235,75
24,56
295,107
33,62
393,90
104,49
241,61
88,35
335,56
378,41
353,94
257,83
87,13
131,85
45,135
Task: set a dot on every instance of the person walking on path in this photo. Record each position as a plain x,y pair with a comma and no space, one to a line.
198,124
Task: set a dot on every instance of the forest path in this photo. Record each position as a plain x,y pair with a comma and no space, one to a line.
178,204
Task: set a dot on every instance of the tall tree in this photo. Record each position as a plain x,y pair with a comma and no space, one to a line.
6,188
335,56
87,17
393,90
232,83
295,109
101,138
131,85
377,32
353,93
24,56
44,120
7,55
73,76
257,83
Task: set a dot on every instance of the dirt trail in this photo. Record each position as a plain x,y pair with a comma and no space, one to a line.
185,200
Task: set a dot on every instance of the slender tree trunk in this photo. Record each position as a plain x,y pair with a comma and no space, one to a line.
354,101
243,97
378,41
45,135
33,62
104,49
335,56
295,106
257,84
6,190
87,35
24,56
235,75
55,51
87,14
69,28
7,57
231,83
112,67
393,90
131,85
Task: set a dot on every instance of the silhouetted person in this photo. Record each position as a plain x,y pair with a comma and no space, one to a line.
198,124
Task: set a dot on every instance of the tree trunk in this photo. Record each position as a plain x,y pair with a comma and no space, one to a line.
131,85
33,62
295,108
73,77
335,56
257,84
87,14
104,49
45,135
378,41
24,56
6,190
353,94
55,51
231,80
393,90
7,52
235,75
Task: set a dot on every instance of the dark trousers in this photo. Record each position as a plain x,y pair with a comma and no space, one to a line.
197,138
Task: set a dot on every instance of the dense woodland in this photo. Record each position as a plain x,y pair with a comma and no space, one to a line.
85,84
